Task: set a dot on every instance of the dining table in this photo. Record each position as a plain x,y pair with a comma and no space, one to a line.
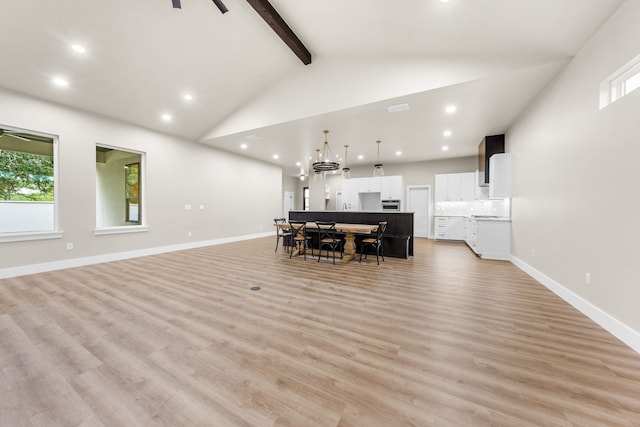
349,230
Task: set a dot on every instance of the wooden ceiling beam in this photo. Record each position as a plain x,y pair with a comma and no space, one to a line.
275,21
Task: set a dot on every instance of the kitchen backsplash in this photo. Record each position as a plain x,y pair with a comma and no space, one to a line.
500,208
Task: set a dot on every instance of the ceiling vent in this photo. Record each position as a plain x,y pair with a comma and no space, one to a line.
398,107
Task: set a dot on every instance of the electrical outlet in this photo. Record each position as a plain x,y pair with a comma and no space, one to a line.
69,246
587,278
201,207
188,234
533,252
187,207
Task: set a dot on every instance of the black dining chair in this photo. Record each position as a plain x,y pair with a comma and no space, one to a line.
374,243
327,238
282,233
299,238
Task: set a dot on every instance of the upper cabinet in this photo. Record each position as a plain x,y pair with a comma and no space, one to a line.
368,185
455,187
500,182
388,187
391,187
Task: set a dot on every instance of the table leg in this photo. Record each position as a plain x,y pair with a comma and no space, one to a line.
349,247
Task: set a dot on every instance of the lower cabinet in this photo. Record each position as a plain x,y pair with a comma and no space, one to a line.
489,239
449,228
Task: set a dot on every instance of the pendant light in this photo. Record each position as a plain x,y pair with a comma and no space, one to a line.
346,172
317,174
325,162
377,168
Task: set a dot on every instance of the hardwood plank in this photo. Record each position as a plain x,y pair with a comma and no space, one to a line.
440,339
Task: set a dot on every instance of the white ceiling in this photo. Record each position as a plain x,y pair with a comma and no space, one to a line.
488,57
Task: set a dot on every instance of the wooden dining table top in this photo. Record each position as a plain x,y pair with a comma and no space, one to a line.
344,227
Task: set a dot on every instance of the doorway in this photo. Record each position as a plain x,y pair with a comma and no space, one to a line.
419,198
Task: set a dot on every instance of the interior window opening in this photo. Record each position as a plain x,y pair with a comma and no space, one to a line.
119,201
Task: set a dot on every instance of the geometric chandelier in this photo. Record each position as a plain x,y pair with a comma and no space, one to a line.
325,161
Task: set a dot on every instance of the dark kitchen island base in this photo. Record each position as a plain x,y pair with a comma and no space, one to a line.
398,240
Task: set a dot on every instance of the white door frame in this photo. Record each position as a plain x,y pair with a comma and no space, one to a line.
429,203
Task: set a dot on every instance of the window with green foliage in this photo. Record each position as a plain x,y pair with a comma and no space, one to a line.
119,188
27,181
132,192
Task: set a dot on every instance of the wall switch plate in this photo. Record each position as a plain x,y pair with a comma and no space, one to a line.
69,246
187,207
188,234
201,207
533,252
587,278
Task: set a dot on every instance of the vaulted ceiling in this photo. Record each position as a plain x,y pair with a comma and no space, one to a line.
490,58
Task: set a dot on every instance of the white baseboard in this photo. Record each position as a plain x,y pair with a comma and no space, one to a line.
618,329
79,262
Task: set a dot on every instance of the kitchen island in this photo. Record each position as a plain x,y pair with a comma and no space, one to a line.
398,238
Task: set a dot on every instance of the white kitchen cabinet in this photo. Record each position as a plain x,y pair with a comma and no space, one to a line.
488,238
455,187
368,185
441,193
385,187
500,176
449,228
467,186
350,198
391,187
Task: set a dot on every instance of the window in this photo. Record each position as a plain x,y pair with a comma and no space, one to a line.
621,83
305,198
27,184
119,190
132,192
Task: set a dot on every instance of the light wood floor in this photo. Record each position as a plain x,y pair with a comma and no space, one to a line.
179,339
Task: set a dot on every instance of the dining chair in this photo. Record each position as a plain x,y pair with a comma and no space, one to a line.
282,233
299,238
374,242
327,238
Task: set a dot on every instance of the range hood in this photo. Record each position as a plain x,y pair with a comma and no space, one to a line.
490,145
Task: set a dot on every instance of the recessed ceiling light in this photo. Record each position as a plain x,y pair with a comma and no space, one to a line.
447,133
60,81
243,146
444,1
78,48
360,157
275,156
398,107
445,147
398,153
187,97
166,117
298,163
450,109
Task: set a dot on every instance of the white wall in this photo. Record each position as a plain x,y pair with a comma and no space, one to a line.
576,196
240,196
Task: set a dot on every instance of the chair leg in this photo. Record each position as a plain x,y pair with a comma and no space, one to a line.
277,241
